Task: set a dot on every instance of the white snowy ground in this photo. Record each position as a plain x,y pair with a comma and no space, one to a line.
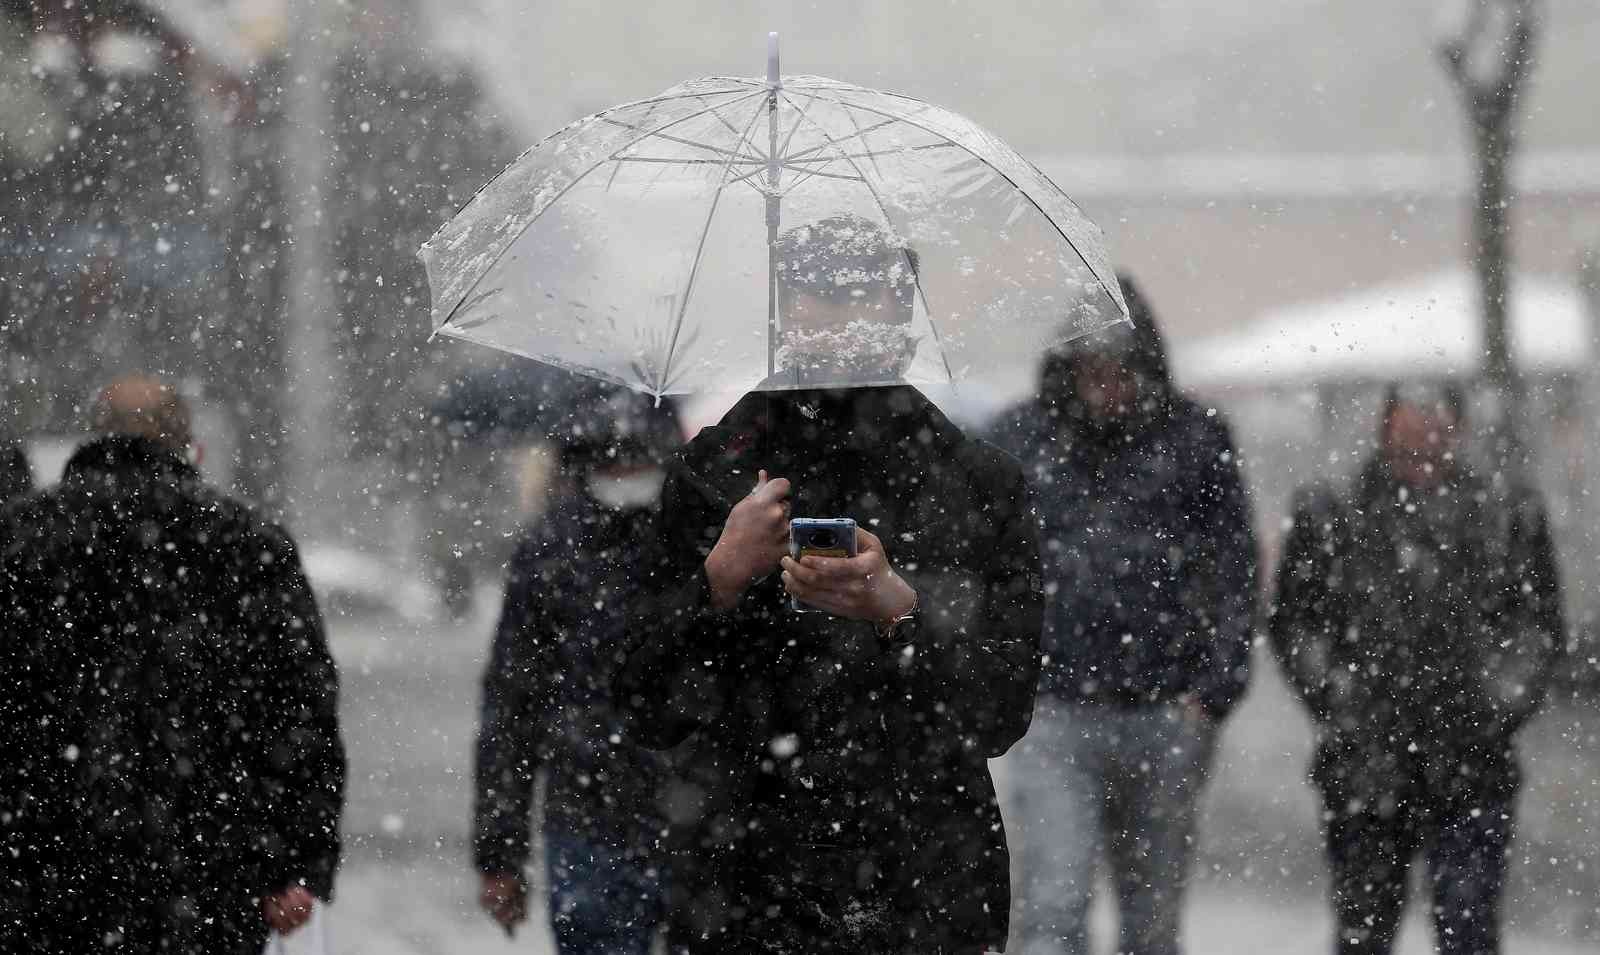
427,909
409,708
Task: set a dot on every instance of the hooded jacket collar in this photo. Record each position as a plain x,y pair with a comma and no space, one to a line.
121,456
865,420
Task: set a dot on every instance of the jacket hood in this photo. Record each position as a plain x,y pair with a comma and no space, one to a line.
117,454
1140,347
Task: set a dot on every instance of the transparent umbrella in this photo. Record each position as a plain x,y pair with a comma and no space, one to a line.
656,244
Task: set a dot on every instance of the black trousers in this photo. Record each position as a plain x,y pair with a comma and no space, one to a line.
1462,836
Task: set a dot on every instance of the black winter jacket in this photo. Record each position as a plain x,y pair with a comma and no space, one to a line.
172,748
547,692
16,478
807,745
1149,555
1420,628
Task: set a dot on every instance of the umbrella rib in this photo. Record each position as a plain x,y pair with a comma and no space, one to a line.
730,161
1105,286
944,354
557,198
721,118
799,117
863,136
616,170
718,150
842,139
811,173
664,381
690,162
652,102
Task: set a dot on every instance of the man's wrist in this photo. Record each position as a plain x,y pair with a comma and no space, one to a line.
726,588
905,606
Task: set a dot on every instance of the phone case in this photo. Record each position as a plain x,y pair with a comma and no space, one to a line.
822,537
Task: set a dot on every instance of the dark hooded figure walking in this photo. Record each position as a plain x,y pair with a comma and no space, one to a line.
832,792
1150,569
172,776
1419,618
547,699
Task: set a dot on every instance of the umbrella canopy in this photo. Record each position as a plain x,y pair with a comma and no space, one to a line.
1425,326
657,245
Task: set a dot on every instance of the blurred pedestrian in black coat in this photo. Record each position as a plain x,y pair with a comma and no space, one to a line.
172,777
547,699
16,478
1419,618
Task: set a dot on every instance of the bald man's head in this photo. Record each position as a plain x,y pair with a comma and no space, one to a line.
144,407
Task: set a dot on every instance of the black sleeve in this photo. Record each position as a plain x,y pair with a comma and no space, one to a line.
670,682
975,672
512,718
1519,665
1219,578
37,673
1308,609
304,770
15,476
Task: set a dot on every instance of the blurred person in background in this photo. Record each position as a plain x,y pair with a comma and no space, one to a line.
547,699
173,775
16,478
1418,617
1149,563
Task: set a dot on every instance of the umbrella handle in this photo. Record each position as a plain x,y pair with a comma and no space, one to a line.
772,62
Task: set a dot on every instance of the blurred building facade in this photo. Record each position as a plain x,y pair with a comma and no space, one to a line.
145,202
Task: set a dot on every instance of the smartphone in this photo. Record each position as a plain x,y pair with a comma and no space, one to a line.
820,537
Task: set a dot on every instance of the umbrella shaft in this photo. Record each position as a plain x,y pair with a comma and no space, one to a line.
773,216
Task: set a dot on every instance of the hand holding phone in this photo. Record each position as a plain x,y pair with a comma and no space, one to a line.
862,586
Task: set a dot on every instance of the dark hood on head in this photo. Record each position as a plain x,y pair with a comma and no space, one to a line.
1140,348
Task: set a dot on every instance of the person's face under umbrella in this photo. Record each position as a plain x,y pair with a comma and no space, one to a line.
1108,389
1420,443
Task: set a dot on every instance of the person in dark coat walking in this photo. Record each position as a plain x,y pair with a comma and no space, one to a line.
16,478
1150,569
547,700
1418,616
831,791
173,776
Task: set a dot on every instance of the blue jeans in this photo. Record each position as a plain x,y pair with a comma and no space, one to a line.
601,901
1101,779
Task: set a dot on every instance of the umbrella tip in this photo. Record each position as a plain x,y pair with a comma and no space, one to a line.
772,60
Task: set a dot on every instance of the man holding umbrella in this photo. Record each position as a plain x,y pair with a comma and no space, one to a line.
834,794
831,791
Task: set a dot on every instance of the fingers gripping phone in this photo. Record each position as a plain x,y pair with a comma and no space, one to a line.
820,537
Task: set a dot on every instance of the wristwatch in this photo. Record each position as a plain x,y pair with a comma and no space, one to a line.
902,629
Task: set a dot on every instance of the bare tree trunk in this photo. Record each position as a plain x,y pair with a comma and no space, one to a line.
1491,252
1489,64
